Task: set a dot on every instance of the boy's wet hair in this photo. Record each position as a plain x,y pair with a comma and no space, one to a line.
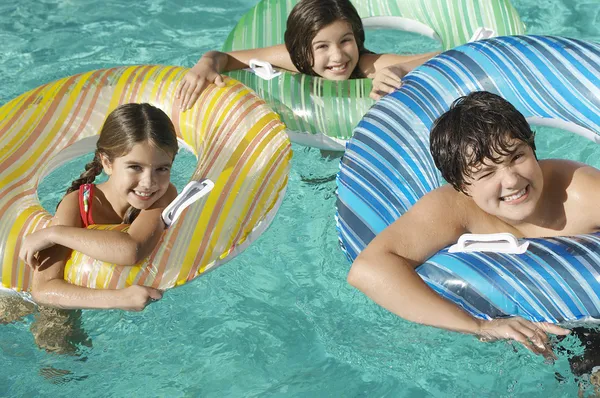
307,18
478,126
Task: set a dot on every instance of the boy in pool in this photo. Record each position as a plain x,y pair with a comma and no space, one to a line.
485,149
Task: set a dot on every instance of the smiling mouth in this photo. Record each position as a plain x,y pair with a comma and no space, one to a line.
338,68
516,196
143,195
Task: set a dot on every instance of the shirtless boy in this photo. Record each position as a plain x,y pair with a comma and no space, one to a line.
485,149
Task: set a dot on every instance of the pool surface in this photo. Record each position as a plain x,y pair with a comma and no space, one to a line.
280,319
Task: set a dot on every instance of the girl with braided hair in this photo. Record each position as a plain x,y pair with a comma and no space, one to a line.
136,149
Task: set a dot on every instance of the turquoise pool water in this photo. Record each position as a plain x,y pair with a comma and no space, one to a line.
279,320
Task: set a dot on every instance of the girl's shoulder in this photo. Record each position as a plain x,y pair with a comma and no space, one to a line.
67,212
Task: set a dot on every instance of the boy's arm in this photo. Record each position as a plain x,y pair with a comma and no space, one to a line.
385,271
209,67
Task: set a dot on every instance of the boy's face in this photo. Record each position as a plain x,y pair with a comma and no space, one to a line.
510,189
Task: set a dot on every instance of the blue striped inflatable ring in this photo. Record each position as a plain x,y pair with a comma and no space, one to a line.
387,167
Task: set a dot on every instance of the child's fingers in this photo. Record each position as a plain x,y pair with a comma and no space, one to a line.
30,259
392,79
194,96
552,328
375,95
180,87
219,81
156,294
186,98
385,88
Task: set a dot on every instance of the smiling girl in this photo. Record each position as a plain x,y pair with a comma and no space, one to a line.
136,148
323,38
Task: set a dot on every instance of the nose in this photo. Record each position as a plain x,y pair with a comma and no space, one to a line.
148,179
335,53
510,178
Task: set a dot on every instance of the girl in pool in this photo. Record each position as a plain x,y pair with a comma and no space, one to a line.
323,38
136,148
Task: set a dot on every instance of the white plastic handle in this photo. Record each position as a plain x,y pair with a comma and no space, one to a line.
193,191
482,34
263,69
503,242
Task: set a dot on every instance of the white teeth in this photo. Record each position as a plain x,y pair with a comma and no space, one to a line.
144,194
515,196
338,68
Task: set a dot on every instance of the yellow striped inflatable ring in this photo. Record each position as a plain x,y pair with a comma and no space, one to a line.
240,143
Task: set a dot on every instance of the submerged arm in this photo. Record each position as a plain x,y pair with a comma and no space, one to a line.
385,271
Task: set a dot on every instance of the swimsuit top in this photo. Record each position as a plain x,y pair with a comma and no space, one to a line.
86,196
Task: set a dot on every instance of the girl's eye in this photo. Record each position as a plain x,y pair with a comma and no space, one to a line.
320,47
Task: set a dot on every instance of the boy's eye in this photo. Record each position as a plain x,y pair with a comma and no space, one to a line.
164,169
135,167
518,156
484,175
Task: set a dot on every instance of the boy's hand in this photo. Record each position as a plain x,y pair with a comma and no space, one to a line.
34,243
532,335
386,81
196,79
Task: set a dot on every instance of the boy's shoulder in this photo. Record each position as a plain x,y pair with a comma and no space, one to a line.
569,173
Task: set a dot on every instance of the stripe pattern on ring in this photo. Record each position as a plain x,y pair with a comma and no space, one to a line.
323,113
240,143
387,168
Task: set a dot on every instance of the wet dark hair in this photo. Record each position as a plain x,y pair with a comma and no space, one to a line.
478,126
307,18
126,126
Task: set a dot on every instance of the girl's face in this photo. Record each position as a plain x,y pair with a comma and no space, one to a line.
335,52
141,177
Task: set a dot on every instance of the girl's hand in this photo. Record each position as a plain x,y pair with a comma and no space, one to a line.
136,298
196,79
386,81
34,243
532,335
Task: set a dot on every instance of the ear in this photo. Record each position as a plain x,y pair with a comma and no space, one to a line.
106,164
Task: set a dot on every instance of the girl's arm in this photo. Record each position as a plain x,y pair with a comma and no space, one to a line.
209,67
387,70
385,271
49,287
116,247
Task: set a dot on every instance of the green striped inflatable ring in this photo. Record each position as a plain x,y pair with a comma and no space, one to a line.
322,113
